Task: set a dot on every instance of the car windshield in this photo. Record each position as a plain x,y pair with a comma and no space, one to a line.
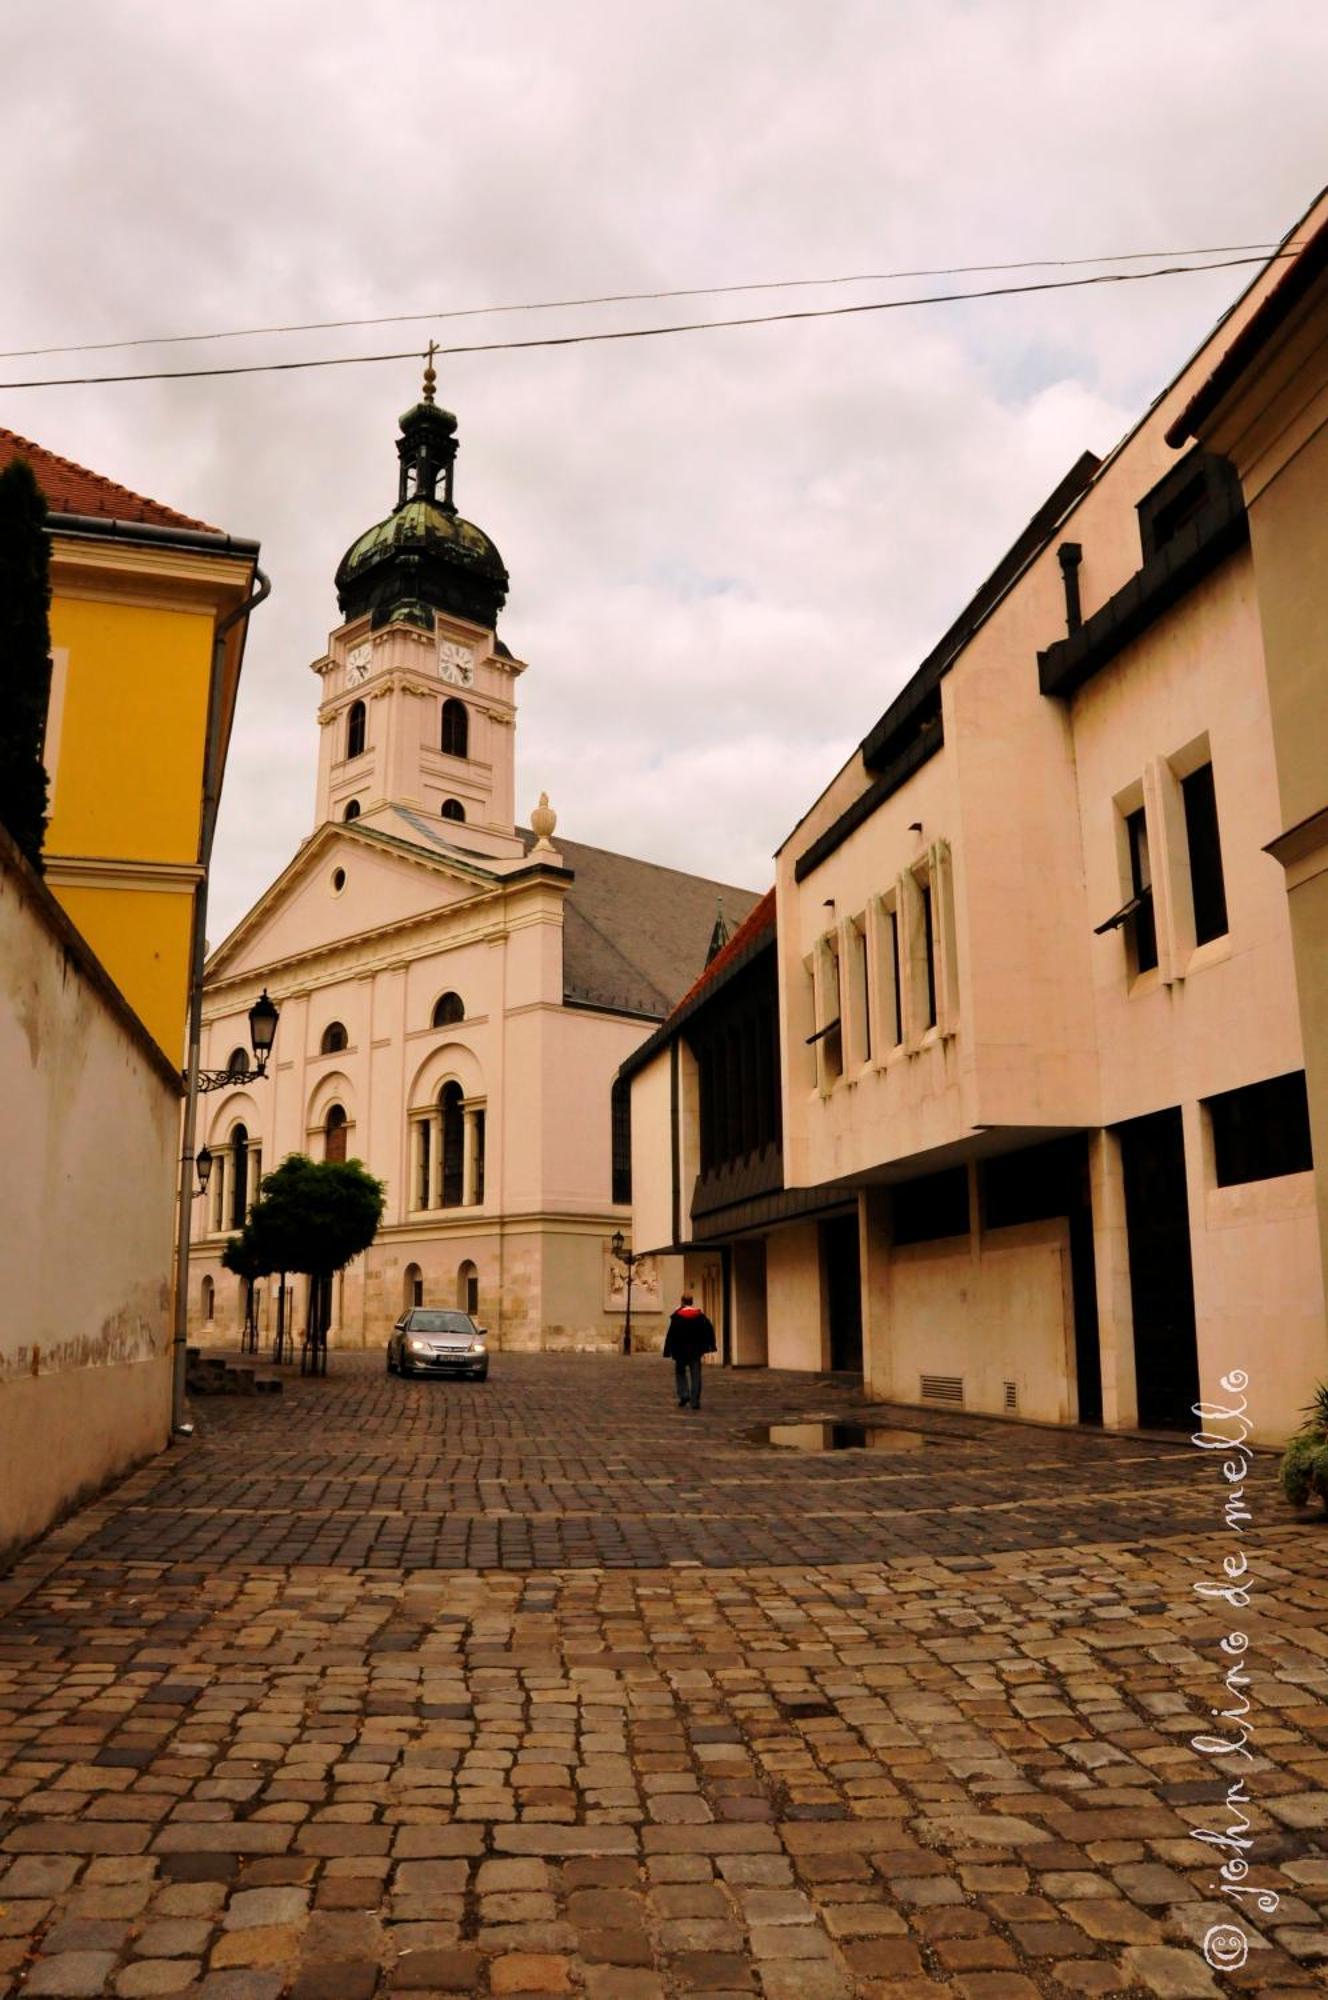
441,1322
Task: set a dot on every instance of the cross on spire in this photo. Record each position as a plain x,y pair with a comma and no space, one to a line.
430,377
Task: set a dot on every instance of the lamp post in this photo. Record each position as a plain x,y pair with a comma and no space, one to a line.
631,1259
263,1018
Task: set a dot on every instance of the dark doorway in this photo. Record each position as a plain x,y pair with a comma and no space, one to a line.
843,1290
1157,1222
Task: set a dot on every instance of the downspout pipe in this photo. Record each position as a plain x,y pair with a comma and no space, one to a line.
212,762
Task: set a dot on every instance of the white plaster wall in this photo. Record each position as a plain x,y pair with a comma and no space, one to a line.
652,1155
990,1310
795,1310
85,1253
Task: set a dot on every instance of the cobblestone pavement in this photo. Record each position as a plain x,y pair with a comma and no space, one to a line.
544,1688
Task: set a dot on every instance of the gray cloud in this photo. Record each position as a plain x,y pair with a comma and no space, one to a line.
726,550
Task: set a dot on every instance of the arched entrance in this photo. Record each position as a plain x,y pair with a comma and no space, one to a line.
412,1287
468,1288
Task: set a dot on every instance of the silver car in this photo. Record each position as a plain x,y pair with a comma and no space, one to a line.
429,1340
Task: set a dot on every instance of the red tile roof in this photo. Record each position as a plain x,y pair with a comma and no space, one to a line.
72,489
754,925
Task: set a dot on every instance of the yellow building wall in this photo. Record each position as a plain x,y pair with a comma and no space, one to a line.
126,743
141,936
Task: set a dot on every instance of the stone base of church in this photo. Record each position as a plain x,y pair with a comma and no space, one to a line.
544,1283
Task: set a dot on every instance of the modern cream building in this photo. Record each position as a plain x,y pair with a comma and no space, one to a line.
456,992
1040,1021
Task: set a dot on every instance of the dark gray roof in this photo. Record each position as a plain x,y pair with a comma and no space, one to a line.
635,935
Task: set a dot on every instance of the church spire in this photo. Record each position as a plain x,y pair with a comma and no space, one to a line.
427,447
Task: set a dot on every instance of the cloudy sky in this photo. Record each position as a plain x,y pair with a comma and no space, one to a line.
727,550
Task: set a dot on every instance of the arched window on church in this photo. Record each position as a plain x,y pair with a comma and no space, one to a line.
334,1038
456,728
453,809
239,1189
454,1145
209,1301
238,1064
334,1133
352,810
355,716
451,1007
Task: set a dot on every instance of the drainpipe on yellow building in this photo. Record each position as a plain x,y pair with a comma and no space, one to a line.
213,760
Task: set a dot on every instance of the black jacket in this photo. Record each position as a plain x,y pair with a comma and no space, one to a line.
690,1335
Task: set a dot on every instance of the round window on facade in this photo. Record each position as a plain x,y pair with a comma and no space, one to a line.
338,880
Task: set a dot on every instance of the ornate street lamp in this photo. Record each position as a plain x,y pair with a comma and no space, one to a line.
203,1168
263,1018
629,1258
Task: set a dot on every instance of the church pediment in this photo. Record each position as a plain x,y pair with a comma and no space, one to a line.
345,883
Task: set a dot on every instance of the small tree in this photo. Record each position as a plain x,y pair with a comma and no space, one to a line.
25,656
314,1217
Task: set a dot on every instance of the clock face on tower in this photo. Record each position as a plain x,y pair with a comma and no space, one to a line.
456,663
358,660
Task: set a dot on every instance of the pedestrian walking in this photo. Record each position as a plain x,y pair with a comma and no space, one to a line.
690,1335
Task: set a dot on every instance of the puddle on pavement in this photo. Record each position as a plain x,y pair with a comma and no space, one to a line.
845,1437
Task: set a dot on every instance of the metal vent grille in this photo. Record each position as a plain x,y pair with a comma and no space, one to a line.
942,1389
1012,1395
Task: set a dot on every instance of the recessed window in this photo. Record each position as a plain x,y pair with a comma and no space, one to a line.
239,1188
456,728
859,993
334,1133
1206,880
620,1104
355,729
334,1038
1143,924
929,948
338,880
238,1064
453,1121
352,810
453,809
1261,1131
448,1009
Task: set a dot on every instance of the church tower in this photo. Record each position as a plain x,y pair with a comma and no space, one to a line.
418,708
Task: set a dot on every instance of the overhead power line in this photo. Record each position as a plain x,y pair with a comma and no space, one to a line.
645,332
626,298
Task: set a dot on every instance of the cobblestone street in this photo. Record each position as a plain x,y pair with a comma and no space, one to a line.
545,1687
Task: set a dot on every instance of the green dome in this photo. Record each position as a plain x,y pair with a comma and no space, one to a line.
424,557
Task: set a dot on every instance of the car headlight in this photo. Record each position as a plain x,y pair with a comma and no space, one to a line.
416,1345
477,1347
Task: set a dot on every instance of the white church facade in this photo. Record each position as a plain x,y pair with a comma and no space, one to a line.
456,993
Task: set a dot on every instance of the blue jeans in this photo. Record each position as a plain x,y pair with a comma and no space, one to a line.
688,1376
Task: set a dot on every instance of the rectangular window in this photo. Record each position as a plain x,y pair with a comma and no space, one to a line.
830,1034
936,1205
929,946
896,992
424,1135
1206,881
1262,1131
1143,926
479,1158
620,1101
859,995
